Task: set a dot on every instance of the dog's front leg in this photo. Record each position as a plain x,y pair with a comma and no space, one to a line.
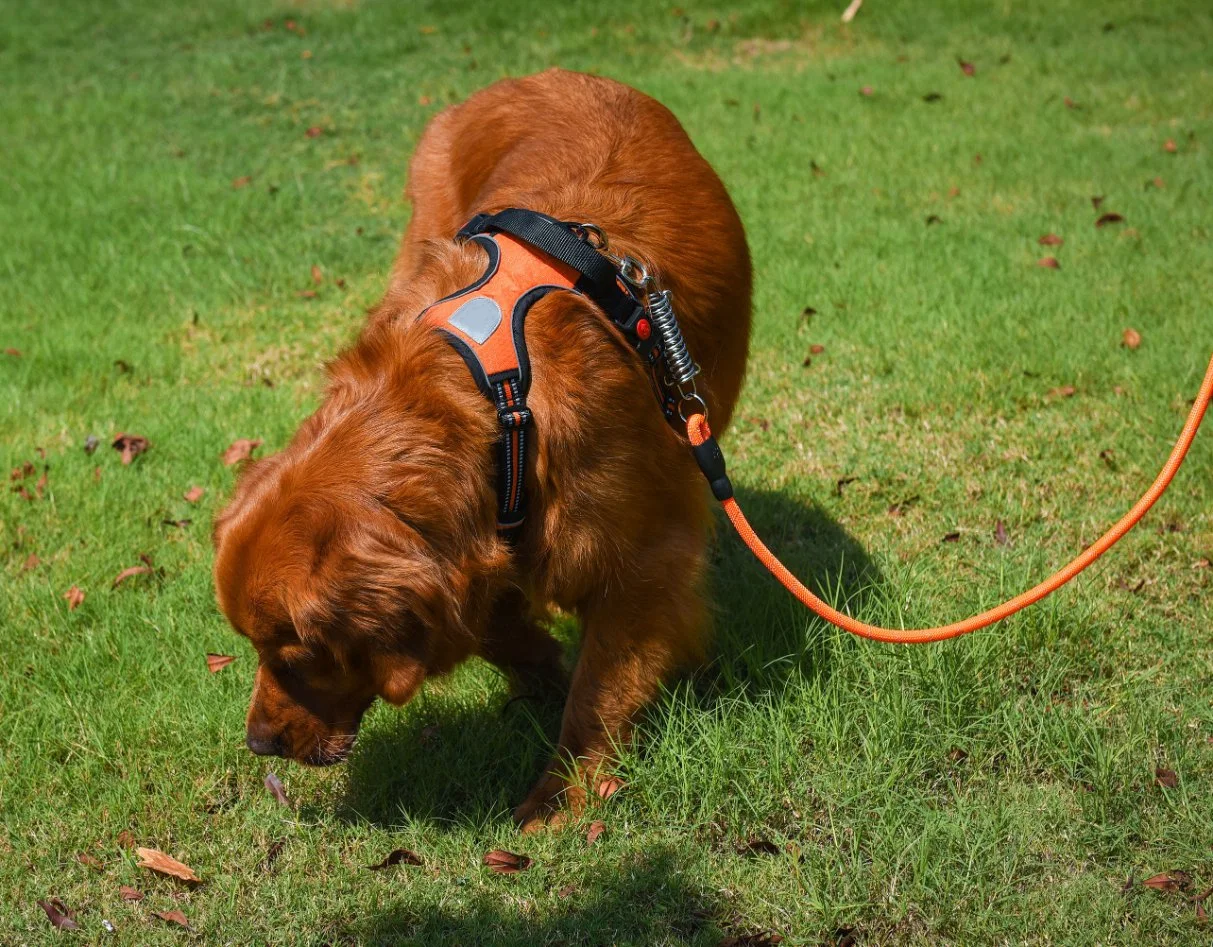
632,641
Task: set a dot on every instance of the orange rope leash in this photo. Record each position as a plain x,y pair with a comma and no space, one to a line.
700,434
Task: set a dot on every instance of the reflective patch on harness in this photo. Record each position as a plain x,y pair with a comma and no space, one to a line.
478,318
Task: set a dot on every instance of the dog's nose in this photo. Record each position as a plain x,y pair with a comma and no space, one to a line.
262,740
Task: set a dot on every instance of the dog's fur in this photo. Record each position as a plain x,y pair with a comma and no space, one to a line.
364,558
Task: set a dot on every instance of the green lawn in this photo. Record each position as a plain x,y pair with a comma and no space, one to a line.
162,206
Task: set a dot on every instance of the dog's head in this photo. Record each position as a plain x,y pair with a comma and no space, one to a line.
348,561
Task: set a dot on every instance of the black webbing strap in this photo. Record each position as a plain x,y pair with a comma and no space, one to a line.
600,279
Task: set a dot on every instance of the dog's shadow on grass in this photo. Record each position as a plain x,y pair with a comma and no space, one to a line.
463,754
643,898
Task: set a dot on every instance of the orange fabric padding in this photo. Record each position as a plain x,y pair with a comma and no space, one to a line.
698,432
521,269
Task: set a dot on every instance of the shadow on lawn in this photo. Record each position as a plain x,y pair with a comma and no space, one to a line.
643,899
466,759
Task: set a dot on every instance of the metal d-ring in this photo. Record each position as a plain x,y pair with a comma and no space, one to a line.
687,399
593,235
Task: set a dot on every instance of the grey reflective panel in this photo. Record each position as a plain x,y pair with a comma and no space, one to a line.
477,318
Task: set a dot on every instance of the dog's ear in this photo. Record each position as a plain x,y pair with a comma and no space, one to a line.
399,677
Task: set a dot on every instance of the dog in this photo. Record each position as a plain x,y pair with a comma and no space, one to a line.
364,558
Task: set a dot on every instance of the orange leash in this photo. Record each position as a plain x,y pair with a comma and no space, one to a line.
712,463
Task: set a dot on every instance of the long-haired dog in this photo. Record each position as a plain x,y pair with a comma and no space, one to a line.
364,557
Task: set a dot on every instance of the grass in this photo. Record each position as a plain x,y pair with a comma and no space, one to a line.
996,789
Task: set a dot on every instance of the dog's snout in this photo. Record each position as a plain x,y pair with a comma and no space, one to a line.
262,740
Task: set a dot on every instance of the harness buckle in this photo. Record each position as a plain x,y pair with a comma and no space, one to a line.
515,417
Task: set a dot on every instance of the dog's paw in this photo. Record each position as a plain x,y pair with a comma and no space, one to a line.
552,803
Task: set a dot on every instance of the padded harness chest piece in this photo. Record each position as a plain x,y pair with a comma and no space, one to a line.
530,255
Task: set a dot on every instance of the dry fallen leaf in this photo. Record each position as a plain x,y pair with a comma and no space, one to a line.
1049,262
757,845
966,67
90,861
274,785
1063,391
31,562
175,916
566,891
816,349
129,572
60,915
1166,778
506,863
131,445
609,786
240,449
400,856
126,839
951,538
1169,146
1000,533
15,353
1169,881
1132,339
130,894
756,939
272,853
74,598
1106,219
1050,240
306,294
194,494
238,183
157,861
317,275
40,485
597,827
866,90
217,662
314,132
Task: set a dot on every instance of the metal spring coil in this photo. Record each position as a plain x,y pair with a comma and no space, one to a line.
678,361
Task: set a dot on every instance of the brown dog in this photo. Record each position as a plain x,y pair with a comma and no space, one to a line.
364,558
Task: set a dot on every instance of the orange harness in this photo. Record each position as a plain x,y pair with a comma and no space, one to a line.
529,256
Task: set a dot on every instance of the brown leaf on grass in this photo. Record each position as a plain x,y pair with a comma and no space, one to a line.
272,853
238,183
952,538
1070,103
400,856
314,132
1063,391
566,892
217,662
967,67
846,937
240,449
1201,564
15,353
90,861
424,100
1201,915
1000,533
317,275
24,494
59,914
816,349
175,916
194,494
842,482
40,485
1108,456
1105,219
74,598
609,786
1166,778
126,839
20,473
506,863
594,833
274,785
1050,240
157,861
180,524
866,90
127,893
1159,183
130,572
757,845
1169,146
1049,263
131,445
1169,881
1131,339
808,361
31,562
